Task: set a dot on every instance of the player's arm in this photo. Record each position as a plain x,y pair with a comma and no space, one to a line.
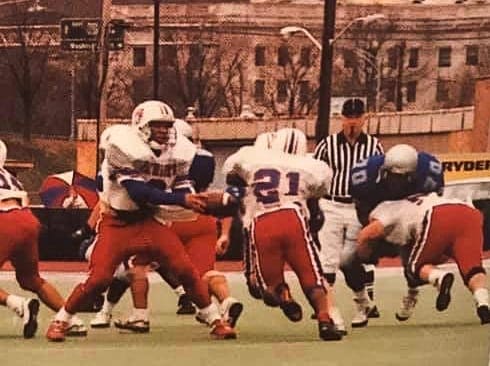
223,241
374,230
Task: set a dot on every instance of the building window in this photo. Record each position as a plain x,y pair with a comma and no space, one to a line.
139,56
442,92
349,59
168,54
390,88
444,56
283,56
305,56
259,91
413,57
393,57
304,91
411,91
472,55
282,91
259,56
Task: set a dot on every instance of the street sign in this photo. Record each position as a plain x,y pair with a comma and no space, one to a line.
80,34
115,38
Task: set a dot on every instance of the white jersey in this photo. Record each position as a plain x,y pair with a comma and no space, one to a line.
129,157
10,187
403,219
277,180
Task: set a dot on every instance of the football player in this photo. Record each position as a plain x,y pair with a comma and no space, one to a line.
434,227
134,185
278,183
401,172
198,234
20,233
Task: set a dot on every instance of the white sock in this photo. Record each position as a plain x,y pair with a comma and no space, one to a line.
435,275
140,314
63,315
16,304
481,296
210,313
179,291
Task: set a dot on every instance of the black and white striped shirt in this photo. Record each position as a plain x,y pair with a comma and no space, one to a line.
336,151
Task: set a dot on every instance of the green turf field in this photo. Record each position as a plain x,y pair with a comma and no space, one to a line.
452,338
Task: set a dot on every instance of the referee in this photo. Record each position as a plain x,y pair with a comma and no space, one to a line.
338,235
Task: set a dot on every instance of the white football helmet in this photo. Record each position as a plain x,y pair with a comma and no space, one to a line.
401,159
153,110
290,141
3,153
264,140
183,128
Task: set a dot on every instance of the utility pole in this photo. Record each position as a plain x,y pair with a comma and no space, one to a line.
156,49
323,119
103,66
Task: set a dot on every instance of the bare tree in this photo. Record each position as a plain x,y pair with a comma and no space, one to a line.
25,54
198,71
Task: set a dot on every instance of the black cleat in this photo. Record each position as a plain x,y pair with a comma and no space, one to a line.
484,314
31,309
292,310
444,297
234,313
185,305
373,312
328,331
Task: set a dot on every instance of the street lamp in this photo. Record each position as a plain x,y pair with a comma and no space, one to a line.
329,38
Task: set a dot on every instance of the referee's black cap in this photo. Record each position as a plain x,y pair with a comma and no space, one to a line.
353,108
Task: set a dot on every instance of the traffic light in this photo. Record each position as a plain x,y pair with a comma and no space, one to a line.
115,34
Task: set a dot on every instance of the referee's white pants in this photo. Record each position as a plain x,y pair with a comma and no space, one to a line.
338,235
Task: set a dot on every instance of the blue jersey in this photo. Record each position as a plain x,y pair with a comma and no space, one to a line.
366,184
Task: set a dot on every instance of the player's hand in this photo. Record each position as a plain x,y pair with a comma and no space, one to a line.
81,234
222,244
196,201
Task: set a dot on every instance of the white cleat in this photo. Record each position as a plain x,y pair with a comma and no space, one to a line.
101,320
231,311
76,328
360,318
407,306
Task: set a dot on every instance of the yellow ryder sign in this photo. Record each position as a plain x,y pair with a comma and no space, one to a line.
465,166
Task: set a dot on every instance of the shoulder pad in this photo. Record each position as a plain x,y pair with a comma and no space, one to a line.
125,147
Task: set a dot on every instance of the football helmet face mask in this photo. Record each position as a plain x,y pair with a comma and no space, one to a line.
290,140
154,121
3,153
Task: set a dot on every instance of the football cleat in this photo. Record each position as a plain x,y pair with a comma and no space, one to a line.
373,312
444,296
406,308
76,328
57,331
101,320
360,318
292,310
185,305
328,331
484,314
200,318
136,326
29,316
222,330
